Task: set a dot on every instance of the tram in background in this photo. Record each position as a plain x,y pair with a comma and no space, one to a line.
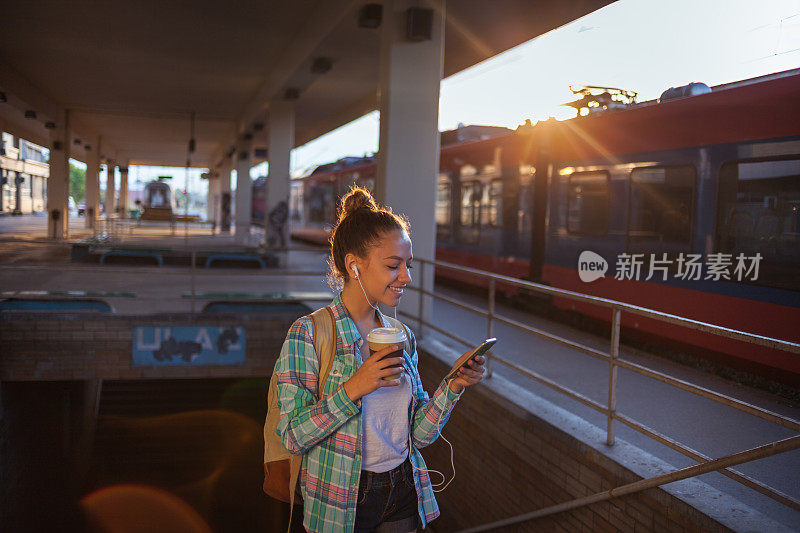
715,173
158,202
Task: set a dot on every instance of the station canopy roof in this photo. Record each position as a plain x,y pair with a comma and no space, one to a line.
133,72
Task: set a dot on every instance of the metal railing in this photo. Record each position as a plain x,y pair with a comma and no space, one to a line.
110,229
615,362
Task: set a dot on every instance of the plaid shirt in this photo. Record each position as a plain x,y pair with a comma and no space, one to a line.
328,431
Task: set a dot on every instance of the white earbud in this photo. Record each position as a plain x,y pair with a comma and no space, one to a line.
354,268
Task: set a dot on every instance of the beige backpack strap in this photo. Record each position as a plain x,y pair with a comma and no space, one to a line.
399,325
324,334
324,343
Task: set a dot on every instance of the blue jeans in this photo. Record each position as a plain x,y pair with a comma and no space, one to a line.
387,501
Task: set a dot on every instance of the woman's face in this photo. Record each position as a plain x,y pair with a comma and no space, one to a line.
387,268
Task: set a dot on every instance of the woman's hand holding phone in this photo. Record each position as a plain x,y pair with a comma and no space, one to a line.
469,368
469,374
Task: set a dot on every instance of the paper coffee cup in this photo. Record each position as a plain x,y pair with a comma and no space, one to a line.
380,338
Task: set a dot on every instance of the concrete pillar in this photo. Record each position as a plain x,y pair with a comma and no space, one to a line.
224,206
122,208
244,192
281,142
408,151
212,200
110,189
58,181
92,210
210,197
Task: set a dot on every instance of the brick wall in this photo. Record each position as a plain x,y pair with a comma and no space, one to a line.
78,346
509,462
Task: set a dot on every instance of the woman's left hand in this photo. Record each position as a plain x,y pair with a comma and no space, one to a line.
468,375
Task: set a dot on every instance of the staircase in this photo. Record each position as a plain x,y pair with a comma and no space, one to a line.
200,439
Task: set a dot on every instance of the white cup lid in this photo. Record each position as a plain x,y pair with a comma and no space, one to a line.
386,335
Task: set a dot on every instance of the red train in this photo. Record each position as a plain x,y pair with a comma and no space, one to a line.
692,204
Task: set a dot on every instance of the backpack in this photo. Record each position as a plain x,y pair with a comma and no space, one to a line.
281,469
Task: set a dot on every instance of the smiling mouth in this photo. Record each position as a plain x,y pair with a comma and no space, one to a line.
397,290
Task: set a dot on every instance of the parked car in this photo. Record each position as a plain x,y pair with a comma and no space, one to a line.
81,208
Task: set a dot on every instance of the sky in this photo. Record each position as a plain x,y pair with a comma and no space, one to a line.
642,45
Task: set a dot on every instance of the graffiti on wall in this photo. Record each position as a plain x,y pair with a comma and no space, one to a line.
188,345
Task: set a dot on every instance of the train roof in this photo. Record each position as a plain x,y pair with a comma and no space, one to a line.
157,184
763,110
759,108
344,163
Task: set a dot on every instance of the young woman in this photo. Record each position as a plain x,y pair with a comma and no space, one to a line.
362,469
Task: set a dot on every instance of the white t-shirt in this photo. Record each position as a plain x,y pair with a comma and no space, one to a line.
385,426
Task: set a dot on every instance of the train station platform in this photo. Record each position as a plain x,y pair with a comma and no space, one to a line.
519,445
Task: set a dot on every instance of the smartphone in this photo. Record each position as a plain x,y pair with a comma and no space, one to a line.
465,359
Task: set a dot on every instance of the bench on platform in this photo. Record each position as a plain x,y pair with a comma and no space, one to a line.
66,294
234,257
258,307
48,304
133,252
270,302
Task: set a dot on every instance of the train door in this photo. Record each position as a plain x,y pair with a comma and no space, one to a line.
522,222
296,202
469,209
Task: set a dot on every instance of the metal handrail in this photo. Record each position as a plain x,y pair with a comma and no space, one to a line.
721,463
615,362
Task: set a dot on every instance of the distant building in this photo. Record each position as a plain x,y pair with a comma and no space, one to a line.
23,176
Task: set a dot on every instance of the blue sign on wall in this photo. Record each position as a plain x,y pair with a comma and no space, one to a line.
188,345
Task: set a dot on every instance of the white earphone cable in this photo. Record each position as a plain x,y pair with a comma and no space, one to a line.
358,279
435,486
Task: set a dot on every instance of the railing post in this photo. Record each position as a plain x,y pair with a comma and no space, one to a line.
421,297
612,374
192,280
490,324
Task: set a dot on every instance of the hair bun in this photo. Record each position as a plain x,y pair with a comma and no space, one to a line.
356,199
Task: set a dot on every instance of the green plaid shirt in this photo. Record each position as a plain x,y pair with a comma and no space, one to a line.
328,432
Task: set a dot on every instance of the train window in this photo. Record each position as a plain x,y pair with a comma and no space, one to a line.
661,207
758,212
471,194
443,209
587,203
493,200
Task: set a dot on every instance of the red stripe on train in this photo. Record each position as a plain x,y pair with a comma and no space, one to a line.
740,314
